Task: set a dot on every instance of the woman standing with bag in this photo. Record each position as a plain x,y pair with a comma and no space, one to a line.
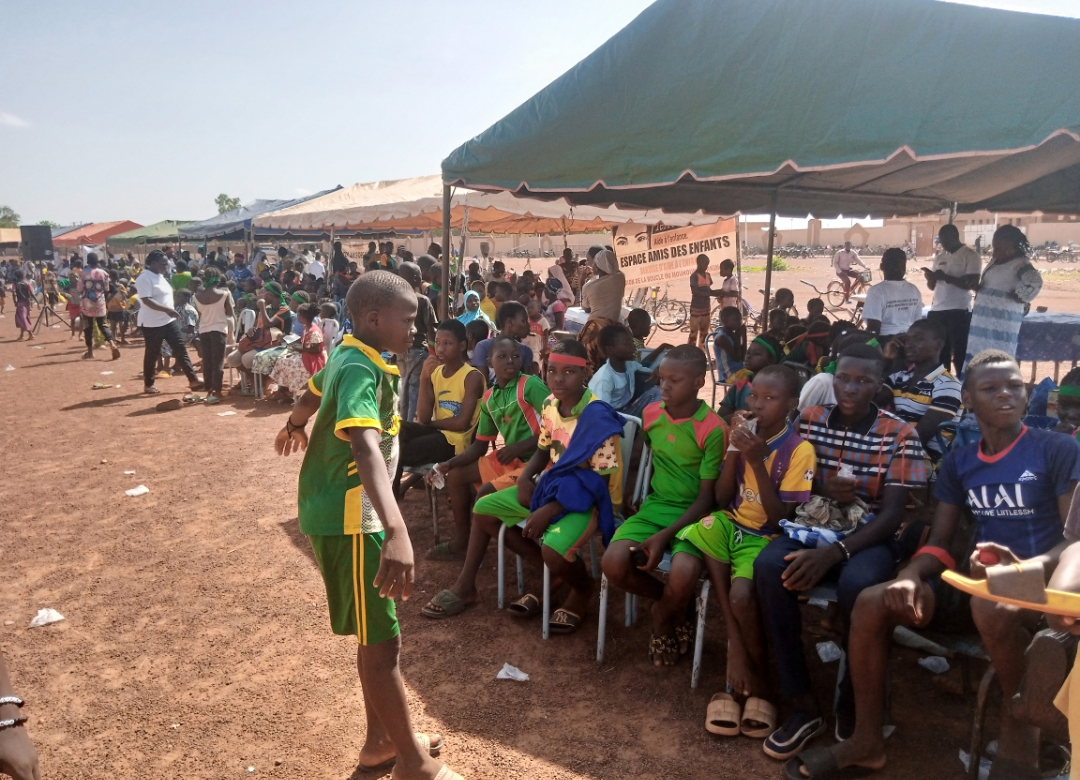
215,307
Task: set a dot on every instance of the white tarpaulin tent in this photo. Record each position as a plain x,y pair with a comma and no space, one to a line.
417,204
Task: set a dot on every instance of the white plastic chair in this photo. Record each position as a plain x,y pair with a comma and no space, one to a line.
631,426
644,478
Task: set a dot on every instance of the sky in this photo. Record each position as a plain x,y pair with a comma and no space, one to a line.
128,109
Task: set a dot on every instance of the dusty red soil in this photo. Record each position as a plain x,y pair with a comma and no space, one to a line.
196,642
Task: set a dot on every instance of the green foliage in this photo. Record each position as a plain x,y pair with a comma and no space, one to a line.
778,264
225,203
49,223
8,217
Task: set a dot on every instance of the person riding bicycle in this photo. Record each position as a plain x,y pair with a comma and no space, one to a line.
842,262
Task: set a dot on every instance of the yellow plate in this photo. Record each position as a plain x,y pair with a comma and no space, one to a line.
1058,602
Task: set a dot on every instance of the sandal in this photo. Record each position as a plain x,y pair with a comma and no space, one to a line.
446,773
758,718
115,353
445,604
821,764
151,390
432,749
723,714
663,646
211,400
193,399
528,606
100,386
563,621
442,552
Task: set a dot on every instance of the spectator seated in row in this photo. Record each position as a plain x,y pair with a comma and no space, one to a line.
729,344
622,381
763,351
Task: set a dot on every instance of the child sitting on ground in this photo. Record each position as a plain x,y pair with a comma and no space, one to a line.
687,440
1018,483
729,346
615,381
763,351
347,510
579,440
513,321
510,408
768,471
447,407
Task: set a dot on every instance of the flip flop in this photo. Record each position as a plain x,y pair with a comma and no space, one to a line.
528,606
757,711
448,604
169,406
563,621
211,400
425,744
115,353
821,764
722,716
442,552
193,399
100,386
446,773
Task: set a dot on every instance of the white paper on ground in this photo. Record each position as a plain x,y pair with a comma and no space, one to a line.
984,764
10,368
828,652
128,473
45,616
138,491
106,373
229,413
935,664
509,672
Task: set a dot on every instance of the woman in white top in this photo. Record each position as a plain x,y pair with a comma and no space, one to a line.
214,304
1009,285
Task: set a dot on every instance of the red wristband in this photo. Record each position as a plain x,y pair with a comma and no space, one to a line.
938,552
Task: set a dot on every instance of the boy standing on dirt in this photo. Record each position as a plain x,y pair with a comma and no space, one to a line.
347,510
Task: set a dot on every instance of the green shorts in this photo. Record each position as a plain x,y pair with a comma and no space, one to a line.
565,536
348,564
719,538
654,516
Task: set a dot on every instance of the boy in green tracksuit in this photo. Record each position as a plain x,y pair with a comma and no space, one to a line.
347,510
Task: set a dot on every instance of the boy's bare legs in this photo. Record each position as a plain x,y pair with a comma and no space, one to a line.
389,728
572,573
1006,633
746,644
484,528
672,607
624,575
459,484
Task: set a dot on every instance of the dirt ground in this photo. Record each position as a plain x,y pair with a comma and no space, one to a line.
196,642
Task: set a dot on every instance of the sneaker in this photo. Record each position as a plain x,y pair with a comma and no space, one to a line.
789,740
151,390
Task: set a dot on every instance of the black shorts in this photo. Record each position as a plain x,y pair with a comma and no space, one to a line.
116,316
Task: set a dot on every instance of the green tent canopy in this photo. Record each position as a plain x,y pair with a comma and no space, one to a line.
886,107
159,233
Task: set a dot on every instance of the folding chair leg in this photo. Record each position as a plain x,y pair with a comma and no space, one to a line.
601,620
631,609
502,581
434,509
699,635
547,602
592,559
521,575
978,723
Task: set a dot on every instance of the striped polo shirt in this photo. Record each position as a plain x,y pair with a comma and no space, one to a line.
881,449
938,391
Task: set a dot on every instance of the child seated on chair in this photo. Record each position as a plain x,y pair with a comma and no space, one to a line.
687,440
618,381
640,323
512,320
763,351
579,465
768,471
1018,484
447,407
510,408
729,346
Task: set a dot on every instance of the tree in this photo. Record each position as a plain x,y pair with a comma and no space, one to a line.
49,223
225,203
8,217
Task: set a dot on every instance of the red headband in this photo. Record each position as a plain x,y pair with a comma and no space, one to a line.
568,360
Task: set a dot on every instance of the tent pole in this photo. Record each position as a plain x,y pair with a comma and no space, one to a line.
738,255
768,262
444,308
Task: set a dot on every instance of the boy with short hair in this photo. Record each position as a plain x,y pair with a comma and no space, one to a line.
513,321
729,346
768,471
347,510
1018,483
579,465
617,381
511,409
687,440
538,328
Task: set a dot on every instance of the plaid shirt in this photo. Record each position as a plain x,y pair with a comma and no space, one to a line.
889,453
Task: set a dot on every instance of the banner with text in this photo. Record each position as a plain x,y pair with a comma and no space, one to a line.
667,255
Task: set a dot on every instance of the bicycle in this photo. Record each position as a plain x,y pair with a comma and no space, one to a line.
835,289
667,313
836,311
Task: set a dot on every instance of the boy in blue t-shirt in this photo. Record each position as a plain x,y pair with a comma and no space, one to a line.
1018,483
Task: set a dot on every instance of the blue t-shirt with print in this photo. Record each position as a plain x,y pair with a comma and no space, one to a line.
1013,495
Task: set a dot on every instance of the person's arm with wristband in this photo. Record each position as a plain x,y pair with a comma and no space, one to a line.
293,437
17,755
